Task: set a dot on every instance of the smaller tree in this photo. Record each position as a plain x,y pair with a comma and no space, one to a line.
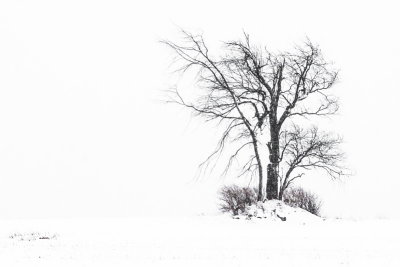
306,149
229,96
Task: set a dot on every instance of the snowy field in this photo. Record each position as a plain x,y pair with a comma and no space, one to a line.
198,241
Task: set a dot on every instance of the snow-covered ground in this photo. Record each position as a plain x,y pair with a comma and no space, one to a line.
198,241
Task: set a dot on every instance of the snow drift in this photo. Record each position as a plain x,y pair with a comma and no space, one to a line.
200,241
275,210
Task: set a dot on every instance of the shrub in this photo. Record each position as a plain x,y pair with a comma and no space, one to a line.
33,236
235,198
298,197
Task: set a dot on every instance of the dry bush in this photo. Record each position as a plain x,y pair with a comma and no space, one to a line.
33,236
235,198
298,197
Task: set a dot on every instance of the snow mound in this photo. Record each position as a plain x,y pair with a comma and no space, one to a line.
276,210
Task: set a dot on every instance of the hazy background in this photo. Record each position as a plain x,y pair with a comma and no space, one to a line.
83,131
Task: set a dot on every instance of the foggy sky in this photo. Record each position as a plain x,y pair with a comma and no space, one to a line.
84,130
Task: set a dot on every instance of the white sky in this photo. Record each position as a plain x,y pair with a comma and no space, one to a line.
83,133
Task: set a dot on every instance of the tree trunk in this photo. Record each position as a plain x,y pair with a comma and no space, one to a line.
273,166
281,194
260,195
272,181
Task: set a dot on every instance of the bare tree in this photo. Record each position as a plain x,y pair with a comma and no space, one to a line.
255,91
290,85
231,96
306,149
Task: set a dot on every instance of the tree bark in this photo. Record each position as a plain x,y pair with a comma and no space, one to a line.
272,181
260,195
273,166
281,194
